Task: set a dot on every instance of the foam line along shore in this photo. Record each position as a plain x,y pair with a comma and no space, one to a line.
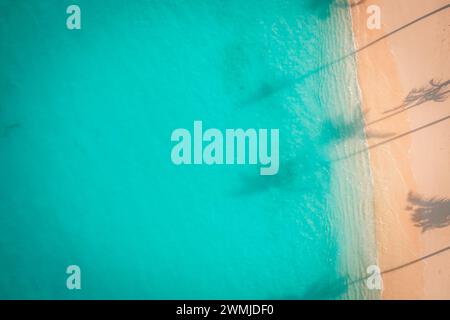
403,76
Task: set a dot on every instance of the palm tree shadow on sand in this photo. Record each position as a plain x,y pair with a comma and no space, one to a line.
322,8
435,91
429,213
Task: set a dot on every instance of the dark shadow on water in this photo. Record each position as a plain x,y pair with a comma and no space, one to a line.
7,129
254,183
435,91
346,3
303,174
338,128
325,289
304,169
429,213
322,8
266,90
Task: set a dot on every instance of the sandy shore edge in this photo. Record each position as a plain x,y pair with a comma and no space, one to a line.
409,144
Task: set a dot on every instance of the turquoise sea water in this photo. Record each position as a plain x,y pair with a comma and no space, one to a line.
85,171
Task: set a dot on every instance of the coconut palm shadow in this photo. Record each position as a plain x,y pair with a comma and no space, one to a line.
301,174
254,184
405,265
7,129
323,6
326,289
433,92
346,3
333,289
266,90
338,129
320,8
436,91
429,213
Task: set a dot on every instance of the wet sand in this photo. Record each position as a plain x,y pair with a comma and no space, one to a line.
410,154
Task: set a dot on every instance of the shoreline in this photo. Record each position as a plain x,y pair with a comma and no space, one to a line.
408,144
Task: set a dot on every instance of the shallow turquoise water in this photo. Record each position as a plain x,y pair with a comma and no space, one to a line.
85,170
